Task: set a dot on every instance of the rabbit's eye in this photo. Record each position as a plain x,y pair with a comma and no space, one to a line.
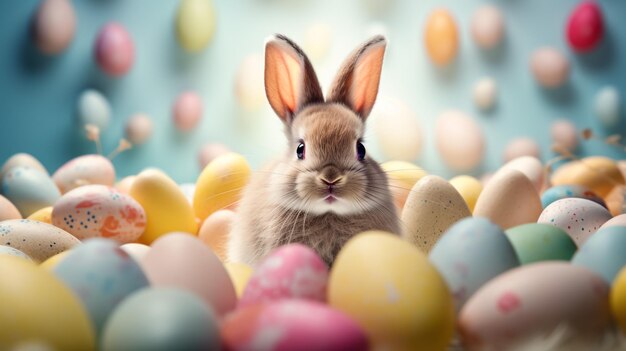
300,151
360,151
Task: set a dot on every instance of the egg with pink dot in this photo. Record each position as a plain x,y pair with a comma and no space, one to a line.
487,27
585,27
187,111
564,133
550,67
139,128
208,152
54,26
114,49
519,147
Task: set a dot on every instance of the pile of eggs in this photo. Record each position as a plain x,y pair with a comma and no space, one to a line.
141,263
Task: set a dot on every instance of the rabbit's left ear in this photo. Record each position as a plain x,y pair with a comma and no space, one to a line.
356,84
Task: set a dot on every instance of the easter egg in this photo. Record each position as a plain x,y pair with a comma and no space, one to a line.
93,108
401,176
509,199
162,319
534,300
220,184
38,240
487,27
615,201
114,49
93,211
534,242
399,298
101,274
42,215
291,271
174,261
580,218
469,254
215,230
520,147
210,151
585,26
615,221
603,252
8,210
469,188
84,170
317,41
608,106
394,120
239,274
441,37
550,67
11,251
29,189
618,299
166,207
596,173
136,251
58,321
564,133
124,185
313,327
485,93
459,140
249,84
559,192
431,208
54,25
53,261
531,167
187,111
195,24
24,160
139,128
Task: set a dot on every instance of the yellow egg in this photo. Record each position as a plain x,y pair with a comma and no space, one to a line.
220,184
441,37
239,274
402,176
469,188
167,208
195,24
391,289
618,299
215,230
56,319
43,215
598,174
53,261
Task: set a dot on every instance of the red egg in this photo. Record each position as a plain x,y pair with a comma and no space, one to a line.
585,26
114,50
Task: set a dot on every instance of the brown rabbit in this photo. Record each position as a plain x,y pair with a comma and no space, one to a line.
324,189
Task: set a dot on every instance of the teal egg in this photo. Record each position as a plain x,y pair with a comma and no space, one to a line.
534,242
604,252
29,189
564,191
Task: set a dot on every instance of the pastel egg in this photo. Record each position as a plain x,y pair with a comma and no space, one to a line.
394,120
84,170
58,321
608,106
403,304
469,254
291,271
249,86
580,218
166,207
485,93
559,192
187,111
93,211
11,251
615,221
8,210
520,147
603,252
534,242
29,189
318,41
596,173
618,299
195,24
459,140
124,185
215,230
441,37
615,201
139,128
162,319
24,160
564,134
114,49
531,167
135,250
239,274
101,274
42,215
487,27
469,188
550,67
220,184
174,260
210,151
431,208
402,176
54,26
53,261
534,300
93,108
585,26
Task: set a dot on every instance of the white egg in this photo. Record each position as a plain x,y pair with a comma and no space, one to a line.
485,93
608,106
394,120
93,108
459,140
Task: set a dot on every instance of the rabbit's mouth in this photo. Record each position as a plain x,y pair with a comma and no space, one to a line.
330,199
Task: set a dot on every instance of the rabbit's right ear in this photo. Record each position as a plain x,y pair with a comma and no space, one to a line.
290,81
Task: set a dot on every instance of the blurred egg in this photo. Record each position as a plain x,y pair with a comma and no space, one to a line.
598,174
459,140
210,151
165,205
124,185
485,93
290,271
519,147
535,300
220,184
292,325
93,108
550,67
534,242
603,252
529,166
11,251
187,111
101,274
8,210
215,231
249,86
487,27
559,192
398,298
580,218
136,251
36,306
615,221
162,319
84,170
195,24
608,106
509,199
24,160
618,299
29,189
93,211
42,215
53,261
585,26
318,39
615,200
239,274
469,254
564,133
469,188
402,176
139,128
114,49
174,261
394,120
54,26
431,208
441,37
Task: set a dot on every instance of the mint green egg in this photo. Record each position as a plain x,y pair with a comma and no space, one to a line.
534,242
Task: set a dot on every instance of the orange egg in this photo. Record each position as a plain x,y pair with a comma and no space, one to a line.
441,37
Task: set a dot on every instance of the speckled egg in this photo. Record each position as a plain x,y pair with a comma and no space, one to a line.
559,192
29,189
11,251
84,170
24,160
580,218
469,254
8,210
38,240
598,174
603,252
534,242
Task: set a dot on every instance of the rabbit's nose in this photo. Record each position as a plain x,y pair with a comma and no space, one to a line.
330,183
330,175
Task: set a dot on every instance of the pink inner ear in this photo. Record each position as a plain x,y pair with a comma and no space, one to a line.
283,79
365,79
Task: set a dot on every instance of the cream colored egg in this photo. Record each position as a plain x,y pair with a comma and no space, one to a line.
53,261
394,120
469,188
402,176
84,170
38,240
44,215
249,83
459,140
136,250
239,274
8,210
487,27
485,93
531,167
550,67
54,26
195,24
519,147
215,230
564,133
596,173
139,128
124,185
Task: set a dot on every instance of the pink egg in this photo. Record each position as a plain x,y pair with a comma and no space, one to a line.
487,26
585,26
619,220
84,170
564,133
549,67
521,147
114,49
139,128
208,152
54,26
459,140
291,271
187,111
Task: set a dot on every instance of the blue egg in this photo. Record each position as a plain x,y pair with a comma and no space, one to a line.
604,252
102,275
566,191
470,253
29,189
